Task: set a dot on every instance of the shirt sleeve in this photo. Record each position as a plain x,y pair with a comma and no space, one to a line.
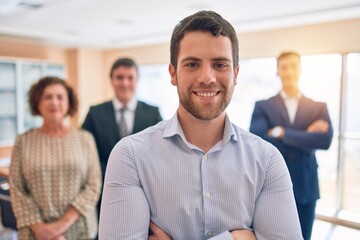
85,202
223,236
125,212
301,139
259,125
24,207
275,214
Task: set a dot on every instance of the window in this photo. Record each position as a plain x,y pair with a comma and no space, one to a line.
320,80
16,77
155,88
351,139
8,117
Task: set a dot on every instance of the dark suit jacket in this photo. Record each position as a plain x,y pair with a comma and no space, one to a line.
101,122
298,146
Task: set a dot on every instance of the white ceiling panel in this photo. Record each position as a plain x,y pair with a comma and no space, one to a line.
115,23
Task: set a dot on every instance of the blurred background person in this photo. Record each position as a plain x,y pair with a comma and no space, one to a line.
123,115
55,177
297,126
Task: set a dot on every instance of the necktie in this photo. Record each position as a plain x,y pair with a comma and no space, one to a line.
122,124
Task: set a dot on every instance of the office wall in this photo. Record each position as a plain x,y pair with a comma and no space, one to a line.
86,73
340,36
334,37
85,67
88,69
17,48
153,54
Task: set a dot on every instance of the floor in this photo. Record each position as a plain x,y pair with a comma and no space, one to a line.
327,231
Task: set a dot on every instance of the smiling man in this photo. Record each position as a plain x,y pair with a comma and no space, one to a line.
197,175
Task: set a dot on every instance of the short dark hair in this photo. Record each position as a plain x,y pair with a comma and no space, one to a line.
126,62
37,89
286,54
206,21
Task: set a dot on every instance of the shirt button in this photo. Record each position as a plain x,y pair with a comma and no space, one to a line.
205,157
210,233
207,194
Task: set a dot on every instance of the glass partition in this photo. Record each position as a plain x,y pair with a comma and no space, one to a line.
16,78
351,189
30,74
8,117
154,87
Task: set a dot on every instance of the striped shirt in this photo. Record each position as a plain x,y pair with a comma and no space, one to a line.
157,175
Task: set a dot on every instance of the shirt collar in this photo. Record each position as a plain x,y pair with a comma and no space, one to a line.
130,106
285,96
174,128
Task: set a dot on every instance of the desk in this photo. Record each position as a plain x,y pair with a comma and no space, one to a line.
4,167
7,215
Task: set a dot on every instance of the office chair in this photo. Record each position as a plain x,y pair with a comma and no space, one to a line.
7,215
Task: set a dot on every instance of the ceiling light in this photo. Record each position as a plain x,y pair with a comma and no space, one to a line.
123,21
72,32
198,6
30,4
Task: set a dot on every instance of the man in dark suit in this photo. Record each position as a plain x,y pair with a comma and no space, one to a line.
297,126
107,120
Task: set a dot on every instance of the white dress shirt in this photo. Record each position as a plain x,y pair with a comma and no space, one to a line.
291,104
129,112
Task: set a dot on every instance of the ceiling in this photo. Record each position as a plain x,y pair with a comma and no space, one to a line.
116,23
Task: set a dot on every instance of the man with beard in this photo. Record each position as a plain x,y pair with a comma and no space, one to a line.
197,175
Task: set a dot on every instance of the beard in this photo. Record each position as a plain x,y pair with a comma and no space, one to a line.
208,111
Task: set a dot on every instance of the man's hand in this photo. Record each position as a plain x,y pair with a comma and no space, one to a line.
320,126
243,235
158,233
277,132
